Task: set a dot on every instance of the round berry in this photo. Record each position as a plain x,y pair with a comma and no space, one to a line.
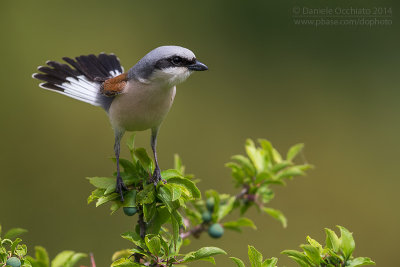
206,216
130,211
216,230
13,262
210,204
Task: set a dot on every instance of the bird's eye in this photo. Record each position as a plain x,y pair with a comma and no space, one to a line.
176,60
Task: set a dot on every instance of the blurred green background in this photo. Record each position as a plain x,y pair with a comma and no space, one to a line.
334,88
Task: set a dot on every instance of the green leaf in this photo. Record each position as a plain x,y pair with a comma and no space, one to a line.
254,154
21,250
332,240
300,262
255,257
178,164
130,199
124,262
134,238
115,206
280,166
144,159
276,214
6,241
128,166
14,244
175,190
268,149
125,253
14,232
360,261
165,247
131,142
347,242
241,222
315,244
96,194
175,230
191,187
26,263
238,262
246,164
202,253
162,216
298,256
312,253
62,258
290,172
226,208
171,173
165,195
214,194
42,255
153,244
101,182
276,156
294,151
104,199
270,262
74,259
147,195
148,211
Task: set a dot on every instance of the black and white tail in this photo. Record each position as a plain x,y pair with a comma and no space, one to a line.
81,80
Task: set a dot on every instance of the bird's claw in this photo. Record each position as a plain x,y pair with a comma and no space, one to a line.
157,177
120,188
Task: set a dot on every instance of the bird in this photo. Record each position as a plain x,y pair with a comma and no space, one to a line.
136,100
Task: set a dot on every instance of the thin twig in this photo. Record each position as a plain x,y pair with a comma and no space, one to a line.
92,260
197,230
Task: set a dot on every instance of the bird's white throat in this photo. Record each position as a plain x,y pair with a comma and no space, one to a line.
170,76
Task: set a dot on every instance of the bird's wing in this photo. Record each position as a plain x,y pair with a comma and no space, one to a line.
114,86
82,78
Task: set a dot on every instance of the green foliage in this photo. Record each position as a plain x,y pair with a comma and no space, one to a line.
256,259
12,252
157,240
336,253
171,212
66,258
63,259
262,167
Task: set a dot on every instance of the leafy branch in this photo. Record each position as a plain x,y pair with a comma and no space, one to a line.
171,212
14,254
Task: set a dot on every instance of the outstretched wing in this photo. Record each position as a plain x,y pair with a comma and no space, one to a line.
82,79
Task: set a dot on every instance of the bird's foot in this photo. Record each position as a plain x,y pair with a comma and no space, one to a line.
120,187
157,177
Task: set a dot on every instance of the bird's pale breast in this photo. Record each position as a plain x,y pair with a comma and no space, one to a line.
141,106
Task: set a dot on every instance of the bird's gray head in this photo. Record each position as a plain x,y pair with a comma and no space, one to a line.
166,64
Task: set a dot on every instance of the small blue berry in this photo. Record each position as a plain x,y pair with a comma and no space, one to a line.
13,262
216,230
130,211
206,216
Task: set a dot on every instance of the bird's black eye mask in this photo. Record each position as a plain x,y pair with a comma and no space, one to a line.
174,61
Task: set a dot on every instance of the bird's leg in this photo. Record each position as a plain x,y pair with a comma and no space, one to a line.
120,186
157,172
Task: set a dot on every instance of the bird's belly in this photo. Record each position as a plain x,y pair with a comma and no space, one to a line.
141,108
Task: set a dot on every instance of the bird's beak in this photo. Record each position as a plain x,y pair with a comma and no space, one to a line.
197,66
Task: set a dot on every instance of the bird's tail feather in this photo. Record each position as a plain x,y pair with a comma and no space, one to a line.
81,80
